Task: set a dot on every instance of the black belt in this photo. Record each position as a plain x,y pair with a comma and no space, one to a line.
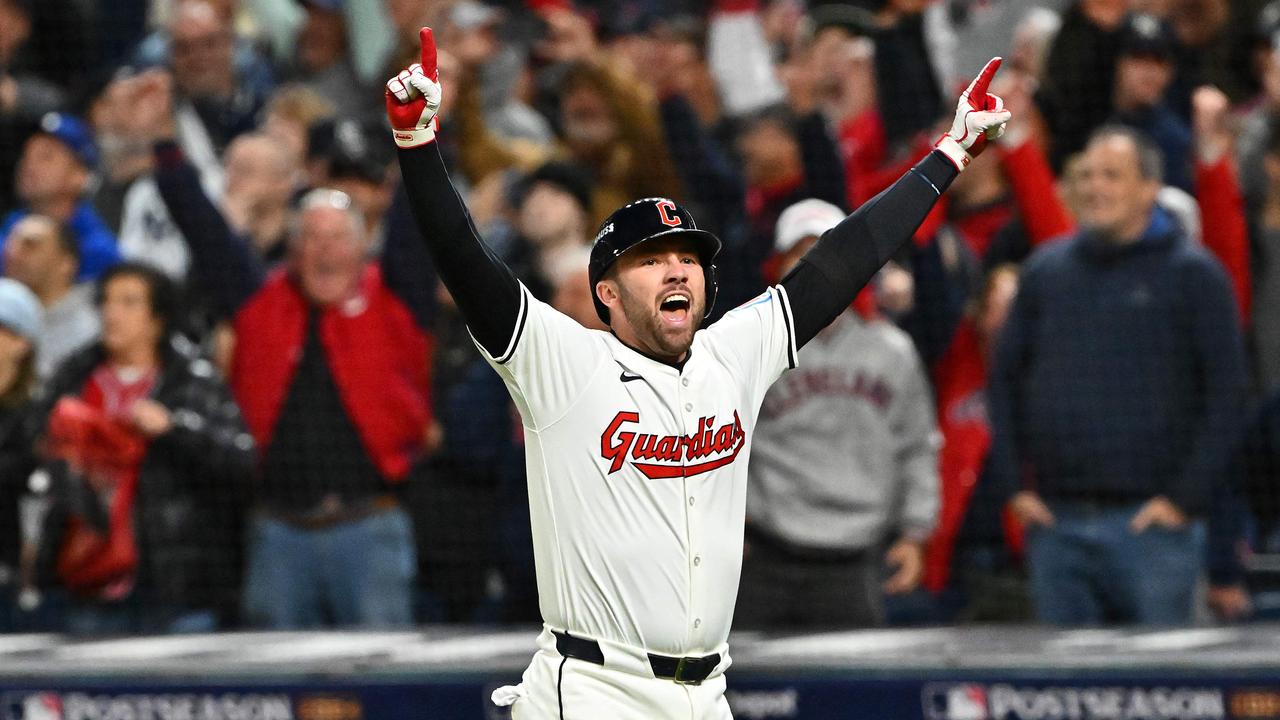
334,510
683,670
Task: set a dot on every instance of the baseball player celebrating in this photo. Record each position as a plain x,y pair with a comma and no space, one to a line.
637,439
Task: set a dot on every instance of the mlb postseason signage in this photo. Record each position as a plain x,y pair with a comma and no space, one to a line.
801,697
448,673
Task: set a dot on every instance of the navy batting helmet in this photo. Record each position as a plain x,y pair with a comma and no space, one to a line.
641,221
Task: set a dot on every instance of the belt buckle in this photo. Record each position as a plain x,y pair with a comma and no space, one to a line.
679,678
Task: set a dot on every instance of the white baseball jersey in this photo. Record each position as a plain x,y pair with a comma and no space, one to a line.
637,471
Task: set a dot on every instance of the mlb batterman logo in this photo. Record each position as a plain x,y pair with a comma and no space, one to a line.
955,702
33,706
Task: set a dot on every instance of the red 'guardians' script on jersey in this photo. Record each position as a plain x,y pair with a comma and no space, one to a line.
672,456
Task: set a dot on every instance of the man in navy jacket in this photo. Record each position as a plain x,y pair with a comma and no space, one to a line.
1117,389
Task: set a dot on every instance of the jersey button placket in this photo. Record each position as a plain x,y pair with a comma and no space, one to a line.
696,580
695,586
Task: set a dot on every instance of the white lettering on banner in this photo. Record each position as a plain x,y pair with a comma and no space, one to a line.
764,704
1006,702
229,706
1010,703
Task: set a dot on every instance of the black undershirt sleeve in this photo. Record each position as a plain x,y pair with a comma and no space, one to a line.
830,275
483,287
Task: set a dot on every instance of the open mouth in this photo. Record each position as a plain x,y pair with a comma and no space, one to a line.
674,308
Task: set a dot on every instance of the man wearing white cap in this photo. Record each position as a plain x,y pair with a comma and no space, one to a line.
844,465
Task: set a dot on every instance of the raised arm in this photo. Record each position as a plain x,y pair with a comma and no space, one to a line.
223,263
709,176
830,275
1043,213
481,284
1222,212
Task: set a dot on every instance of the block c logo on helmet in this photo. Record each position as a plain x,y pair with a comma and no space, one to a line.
664,206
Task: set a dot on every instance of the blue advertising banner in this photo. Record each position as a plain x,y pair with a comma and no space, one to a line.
448,673
465,697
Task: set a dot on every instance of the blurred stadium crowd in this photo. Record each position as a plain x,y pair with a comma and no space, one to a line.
232,393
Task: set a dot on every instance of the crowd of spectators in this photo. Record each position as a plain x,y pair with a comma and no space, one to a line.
233,393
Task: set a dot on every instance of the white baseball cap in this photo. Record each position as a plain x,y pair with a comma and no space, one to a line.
803,219
20,309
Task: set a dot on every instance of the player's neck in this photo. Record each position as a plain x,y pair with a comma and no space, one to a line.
675,362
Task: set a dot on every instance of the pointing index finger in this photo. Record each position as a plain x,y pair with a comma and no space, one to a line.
428,54
977,91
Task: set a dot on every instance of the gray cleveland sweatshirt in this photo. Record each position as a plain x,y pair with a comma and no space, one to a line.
845,454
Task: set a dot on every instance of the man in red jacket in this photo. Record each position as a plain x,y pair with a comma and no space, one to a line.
332,374
330,370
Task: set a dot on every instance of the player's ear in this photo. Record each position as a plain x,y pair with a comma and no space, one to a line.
607,293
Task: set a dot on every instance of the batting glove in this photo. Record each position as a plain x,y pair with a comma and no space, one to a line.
413,98
980,116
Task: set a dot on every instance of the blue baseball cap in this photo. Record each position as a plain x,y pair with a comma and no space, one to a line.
74,133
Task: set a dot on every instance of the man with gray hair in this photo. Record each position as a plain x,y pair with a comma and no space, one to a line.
331,372
843,484
330,369
1115,396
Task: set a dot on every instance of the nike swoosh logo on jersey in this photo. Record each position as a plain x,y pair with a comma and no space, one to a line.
628,378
